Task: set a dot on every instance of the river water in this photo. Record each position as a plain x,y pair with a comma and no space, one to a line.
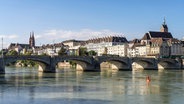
67,86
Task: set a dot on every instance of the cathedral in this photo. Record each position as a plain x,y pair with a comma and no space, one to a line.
19,47
32,40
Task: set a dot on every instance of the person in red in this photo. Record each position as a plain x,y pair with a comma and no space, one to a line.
148,79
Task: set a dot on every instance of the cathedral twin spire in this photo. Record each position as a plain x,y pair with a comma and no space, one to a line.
32,40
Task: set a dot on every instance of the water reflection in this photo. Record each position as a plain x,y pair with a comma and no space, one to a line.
108,86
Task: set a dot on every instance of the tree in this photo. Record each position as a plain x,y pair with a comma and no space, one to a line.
83,51
92,53
28,53
12,52
62,52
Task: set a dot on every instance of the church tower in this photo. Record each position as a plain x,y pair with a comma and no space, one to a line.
32,40
164,27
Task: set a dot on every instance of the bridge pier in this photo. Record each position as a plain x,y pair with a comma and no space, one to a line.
2,70
182,64
2,67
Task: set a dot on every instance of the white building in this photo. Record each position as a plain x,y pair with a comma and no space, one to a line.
50,49
131,52
72,43
99,45
131,49
141,51
120,50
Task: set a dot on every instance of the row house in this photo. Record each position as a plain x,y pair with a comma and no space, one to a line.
97,43
106,45
20,48
131,49
73,46
175,47
49,49
120,50
159,48
182,42
156,44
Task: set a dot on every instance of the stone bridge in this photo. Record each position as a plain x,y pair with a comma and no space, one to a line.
87,63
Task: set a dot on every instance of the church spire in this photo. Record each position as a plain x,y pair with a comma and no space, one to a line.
164,27
32,39
164,21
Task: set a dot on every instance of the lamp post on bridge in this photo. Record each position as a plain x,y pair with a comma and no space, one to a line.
2,48
2,67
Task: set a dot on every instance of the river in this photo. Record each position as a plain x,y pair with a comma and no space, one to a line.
67,86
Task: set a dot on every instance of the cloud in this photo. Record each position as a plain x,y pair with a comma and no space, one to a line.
57,35
84,34
9,36
7,39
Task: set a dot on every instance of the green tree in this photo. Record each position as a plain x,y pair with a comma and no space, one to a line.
92,53
12,52
62,52
83,51
28,53
43,54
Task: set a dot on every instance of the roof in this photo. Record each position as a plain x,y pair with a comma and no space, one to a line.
13,45
154,34
146,37
174,40
72,40
137,45
135,41
108,39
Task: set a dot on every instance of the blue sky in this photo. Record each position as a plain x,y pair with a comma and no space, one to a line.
58,20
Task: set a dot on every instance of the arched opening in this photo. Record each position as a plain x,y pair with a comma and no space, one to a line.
167,65
77,64
114,65
142,65
35,64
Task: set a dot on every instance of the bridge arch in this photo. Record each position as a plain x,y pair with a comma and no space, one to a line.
43,61
84,63
168,64
143,64
117,63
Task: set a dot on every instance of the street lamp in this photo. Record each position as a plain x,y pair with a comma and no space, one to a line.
2,54
2,48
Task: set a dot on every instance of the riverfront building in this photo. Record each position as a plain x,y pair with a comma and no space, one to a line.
108,44
155,44
23,48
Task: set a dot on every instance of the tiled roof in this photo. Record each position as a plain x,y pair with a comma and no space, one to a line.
72,40
13,45
174,40
135,41
154,34
146,37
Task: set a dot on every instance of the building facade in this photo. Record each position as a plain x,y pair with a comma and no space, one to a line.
99,45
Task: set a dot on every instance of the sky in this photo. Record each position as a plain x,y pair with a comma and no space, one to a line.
54,21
